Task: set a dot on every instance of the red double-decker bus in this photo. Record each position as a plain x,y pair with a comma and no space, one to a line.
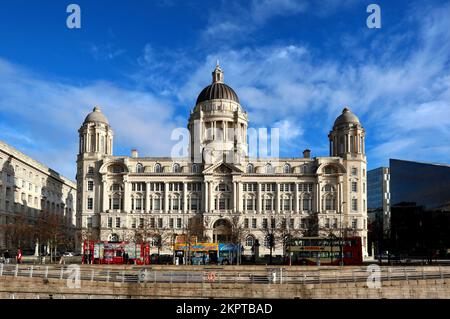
104,252
325,251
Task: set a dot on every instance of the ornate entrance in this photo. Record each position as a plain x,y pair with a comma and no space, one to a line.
222,231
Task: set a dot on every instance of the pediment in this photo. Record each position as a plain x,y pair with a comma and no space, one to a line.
222,168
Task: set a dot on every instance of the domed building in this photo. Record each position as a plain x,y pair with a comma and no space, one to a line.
219,194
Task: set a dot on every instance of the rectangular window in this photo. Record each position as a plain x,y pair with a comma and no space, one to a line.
264,223
178,222
89,222
175,203
250,204
354,223
327,223
354,186
138,203
354,204
157,203
246,223
90,203
286,204
222,203
109,222
90,185
170,222
133,223
268,203
152,223
141,222
160,223
116,203
272,223
254,223
354,171
117,222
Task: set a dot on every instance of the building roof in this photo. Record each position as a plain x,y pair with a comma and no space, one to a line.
217,90
96,116
346,117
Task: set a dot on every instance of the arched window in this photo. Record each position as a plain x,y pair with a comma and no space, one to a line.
249,241
286,169
222,188
269,241
195,168
269,168
116,169
250,169
158,168
116,187
176,168
90,170
139,168
329,169
114,237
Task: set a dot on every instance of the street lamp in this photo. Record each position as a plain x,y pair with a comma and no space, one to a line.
342,236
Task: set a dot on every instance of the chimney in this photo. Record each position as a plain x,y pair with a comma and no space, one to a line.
307,153
134,153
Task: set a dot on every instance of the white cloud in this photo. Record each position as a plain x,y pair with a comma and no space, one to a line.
401,95
52,112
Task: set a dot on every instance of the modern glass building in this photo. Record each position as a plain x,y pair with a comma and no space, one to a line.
378,208
420,208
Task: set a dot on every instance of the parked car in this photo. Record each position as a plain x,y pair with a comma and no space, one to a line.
69,254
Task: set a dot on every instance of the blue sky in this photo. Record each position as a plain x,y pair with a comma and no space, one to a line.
294,65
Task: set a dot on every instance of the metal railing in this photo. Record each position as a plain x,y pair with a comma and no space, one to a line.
222,276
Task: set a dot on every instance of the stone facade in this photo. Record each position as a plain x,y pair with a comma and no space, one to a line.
28,189
219,185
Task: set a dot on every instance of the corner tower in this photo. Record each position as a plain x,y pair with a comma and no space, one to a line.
347,141
95,145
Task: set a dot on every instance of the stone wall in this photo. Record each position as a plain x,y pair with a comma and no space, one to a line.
20,287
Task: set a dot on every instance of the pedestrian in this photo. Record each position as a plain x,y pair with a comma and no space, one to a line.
125,258
7,256
19,256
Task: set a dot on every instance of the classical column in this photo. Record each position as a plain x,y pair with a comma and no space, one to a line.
126,196
166,197
210,201
296,198
205,197
258,201
277,202
317,198
105,206
185,208
234,197
147,197
239,196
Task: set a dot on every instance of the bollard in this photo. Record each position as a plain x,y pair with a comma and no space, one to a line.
107,275
16,272
31,272
1,269
46,272
61,273
123,276
92,275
